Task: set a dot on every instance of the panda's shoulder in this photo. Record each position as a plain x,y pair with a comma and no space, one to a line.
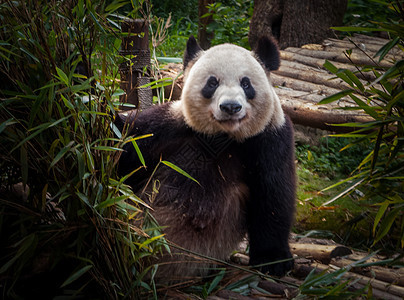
282,132
157,118
273,139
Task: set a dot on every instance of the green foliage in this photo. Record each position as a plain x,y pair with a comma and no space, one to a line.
363,13
178,9
231,22
328,158
71,231
380,174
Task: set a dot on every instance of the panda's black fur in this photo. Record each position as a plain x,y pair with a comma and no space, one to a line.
246,184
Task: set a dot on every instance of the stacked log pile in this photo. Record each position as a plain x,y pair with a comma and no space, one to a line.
302,81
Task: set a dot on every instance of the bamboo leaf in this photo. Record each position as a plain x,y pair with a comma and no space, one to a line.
148,241
368,109
387,223
40,129
179,170
380,213
330,67
139,153
27,244
355,80
395,70
336,96
6,123
342,182
61,154
24,163
76,275
111,201
158,83
107,148
30,55
62,76
387,47
116,130
343,193
83,198
167,60
216,281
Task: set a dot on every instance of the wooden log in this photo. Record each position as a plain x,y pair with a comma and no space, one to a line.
390,58
309,114
384,274
227,294
322,253
314,98
300,85
378,284
302,72
366,39
317,62
277,288
338,56
349,45
375,259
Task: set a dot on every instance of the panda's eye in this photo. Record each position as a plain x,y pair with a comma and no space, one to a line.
245,84
213,82
210,87
249,91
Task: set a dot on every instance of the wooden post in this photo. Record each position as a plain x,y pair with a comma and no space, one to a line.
136,71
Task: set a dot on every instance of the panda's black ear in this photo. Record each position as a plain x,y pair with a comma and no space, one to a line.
268,52
191,51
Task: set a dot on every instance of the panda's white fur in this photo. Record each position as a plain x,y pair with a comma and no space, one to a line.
229,63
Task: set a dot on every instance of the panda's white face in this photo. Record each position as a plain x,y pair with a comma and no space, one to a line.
227,90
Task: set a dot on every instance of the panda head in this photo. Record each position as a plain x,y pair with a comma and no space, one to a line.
227,89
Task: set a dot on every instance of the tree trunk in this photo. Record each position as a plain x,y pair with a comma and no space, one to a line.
204,37
295,23
266,20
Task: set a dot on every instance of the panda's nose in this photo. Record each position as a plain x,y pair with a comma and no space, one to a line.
230,107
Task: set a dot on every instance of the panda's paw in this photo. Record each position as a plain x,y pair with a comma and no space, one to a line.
269,265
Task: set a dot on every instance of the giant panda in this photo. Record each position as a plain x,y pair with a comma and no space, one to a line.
228,132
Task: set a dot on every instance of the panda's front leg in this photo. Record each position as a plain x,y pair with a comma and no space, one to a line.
270,211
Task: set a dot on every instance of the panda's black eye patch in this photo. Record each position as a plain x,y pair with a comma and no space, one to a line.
249,91
210,87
